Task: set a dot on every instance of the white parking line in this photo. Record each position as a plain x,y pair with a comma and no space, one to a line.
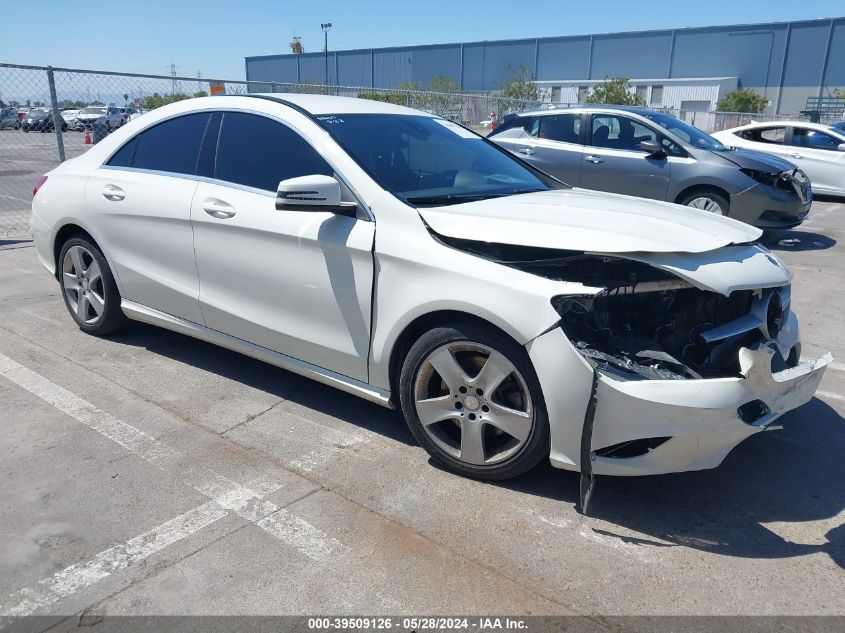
245,501
75,577
828,394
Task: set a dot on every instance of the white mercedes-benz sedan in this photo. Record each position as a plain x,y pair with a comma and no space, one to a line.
403,258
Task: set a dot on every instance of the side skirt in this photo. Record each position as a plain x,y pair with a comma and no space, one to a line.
138,312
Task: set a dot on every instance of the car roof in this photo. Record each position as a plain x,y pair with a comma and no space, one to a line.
813,126
552,109
329,104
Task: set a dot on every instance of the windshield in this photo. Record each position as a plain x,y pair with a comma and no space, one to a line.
427,161
692,135
94,111
38,112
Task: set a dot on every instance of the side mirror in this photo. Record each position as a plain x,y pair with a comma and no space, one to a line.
652,147
841,147
312,193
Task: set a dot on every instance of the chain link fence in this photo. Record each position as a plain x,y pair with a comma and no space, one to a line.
52,114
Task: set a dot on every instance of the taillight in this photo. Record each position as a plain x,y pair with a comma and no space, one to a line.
38,184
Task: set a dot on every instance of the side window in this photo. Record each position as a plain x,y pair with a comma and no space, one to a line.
123,156
773,135
813,139
171,146
258,152
558,127
618,132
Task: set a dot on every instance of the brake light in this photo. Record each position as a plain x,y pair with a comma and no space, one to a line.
38,184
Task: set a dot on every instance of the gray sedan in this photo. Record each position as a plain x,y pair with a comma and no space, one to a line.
654,155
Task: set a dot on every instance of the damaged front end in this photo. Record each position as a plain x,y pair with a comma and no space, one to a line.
672,358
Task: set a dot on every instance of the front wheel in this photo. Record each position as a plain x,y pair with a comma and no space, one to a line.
89,290
472,400
707,201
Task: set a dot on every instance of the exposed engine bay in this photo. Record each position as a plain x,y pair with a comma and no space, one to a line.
645,323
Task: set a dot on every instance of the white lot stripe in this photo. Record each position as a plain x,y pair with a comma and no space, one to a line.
71,579
244,501
14,198
837,366
296,531
828,394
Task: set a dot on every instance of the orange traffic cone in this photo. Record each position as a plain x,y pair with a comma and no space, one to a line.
87,140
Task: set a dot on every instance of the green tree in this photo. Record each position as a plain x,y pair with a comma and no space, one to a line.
200,93
615,91
520,85
441,83
839,93
396,98
156,100
742,100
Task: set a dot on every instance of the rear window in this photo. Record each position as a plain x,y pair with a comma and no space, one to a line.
172,146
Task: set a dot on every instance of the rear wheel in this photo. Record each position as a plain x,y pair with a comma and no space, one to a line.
709,201
88,288
472,400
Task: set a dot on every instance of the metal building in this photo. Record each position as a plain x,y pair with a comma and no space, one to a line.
688,68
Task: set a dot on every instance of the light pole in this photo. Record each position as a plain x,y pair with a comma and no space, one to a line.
326,26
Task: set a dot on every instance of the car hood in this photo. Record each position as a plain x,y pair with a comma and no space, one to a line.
90,116
749,159
581,220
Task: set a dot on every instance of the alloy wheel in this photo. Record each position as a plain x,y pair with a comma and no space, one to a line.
473,403
82,282
706,204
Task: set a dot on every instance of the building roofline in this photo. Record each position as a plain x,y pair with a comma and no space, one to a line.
683,29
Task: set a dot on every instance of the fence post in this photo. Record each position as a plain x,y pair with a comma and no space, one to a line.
57,118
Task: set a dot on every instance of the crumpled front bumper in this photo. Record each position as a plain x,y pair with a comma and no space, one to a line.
702,417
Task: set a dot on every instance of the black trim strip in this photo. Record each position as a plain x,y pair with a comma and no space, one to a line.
287,103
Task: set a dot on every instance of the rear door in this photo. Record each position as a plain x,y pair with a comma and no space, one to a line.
142,196
613,161
769,139
554,143
817,153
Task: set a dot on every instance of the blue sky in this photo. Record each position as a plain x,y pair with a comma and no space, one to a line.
214,36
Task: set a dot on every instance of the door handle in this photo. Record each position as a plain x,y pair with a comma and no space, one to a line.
595,160
113,193
796,155
526,150
218,209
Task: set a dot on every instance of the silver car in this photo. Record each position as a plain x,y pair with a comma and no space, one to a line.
108,117
651,154
9,119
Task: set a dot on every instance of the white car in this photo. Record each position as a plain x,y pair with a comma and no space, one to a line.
70,117
819,150
403,258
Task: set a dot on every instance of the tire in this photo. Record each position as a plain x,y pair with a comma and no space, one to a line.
85,274
458,411
706,200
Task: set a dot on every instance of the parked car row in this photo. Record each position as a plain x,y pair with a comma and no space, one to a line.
41,118
650,154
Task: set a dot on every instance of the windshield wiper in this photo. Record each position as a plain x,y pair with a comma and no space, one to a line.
458,198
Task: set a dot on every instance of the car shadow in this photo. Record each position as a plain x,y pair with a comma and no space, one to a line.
796,241
268,378
784,478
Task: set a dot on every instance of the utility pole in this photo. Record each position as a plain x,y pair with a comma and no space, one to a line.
326,26
173,81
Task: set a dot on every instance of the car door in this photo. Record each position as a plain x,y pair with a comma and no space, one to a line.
613,161
296,282
770,139
142,199
818,154
554,143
